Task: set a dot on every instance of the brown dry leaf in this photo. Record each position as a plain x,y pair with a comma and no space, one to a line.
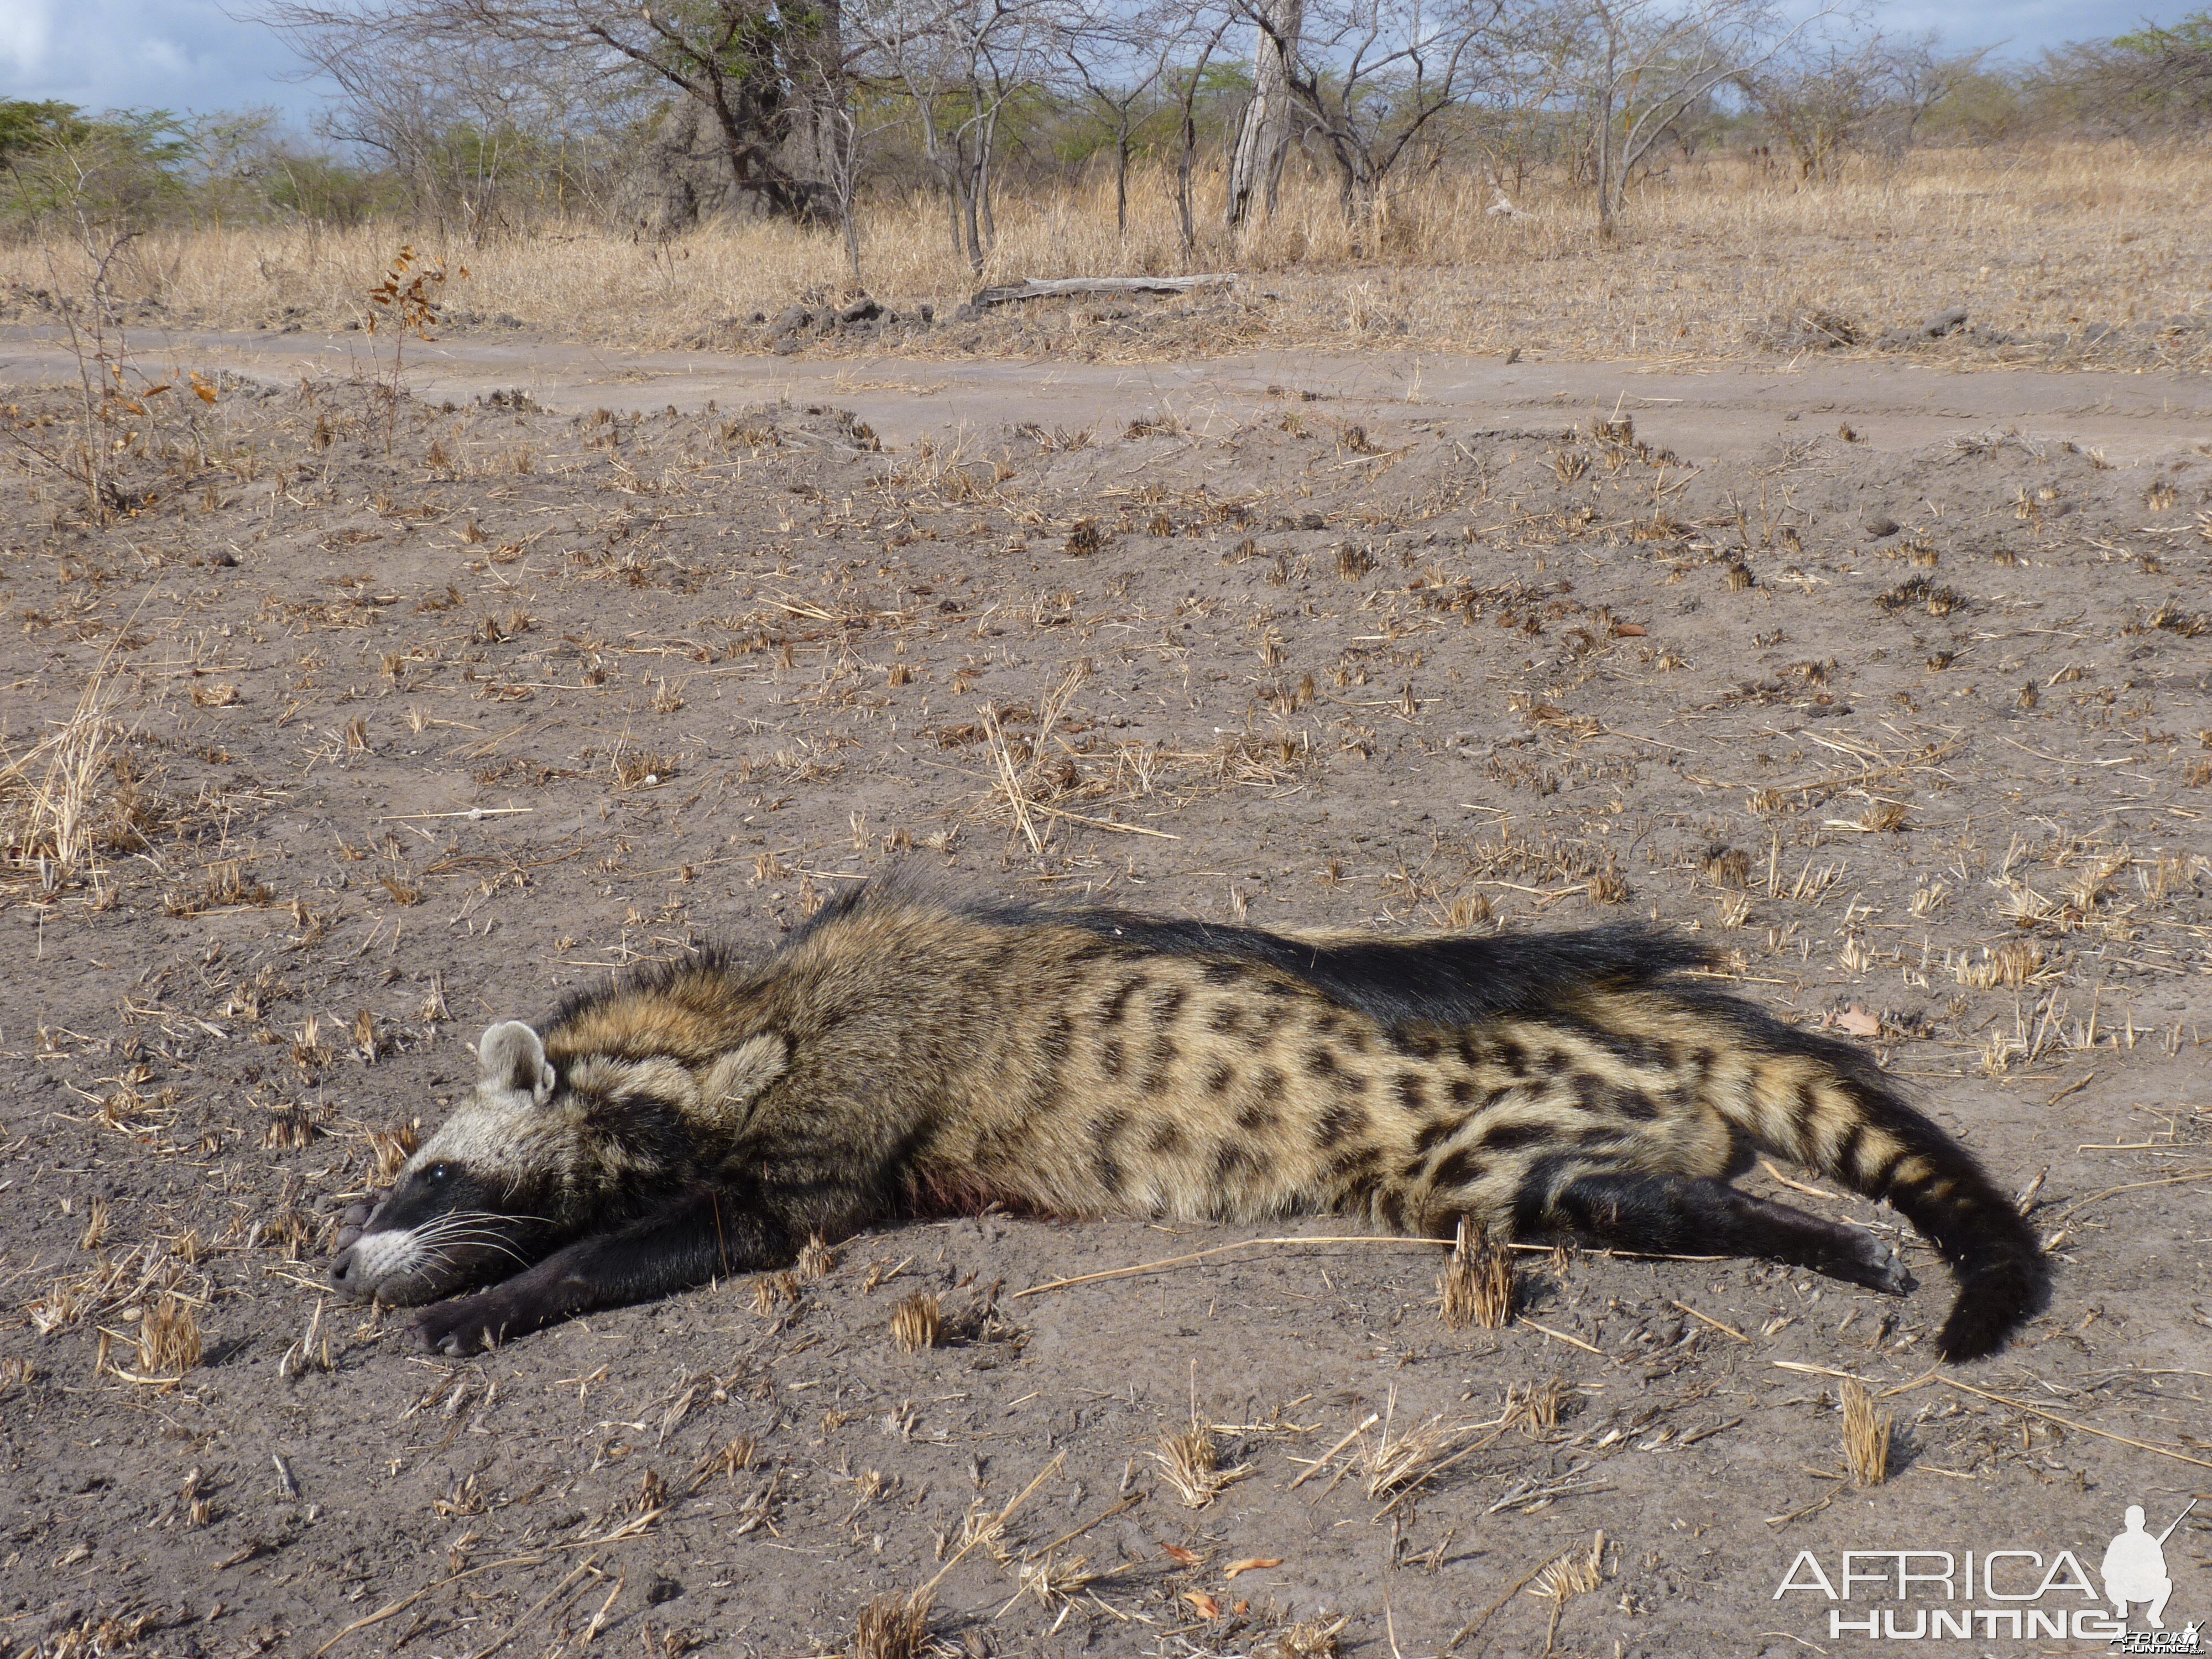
1859,1022
1188,1557
1252,1564
1629,631
1207,1605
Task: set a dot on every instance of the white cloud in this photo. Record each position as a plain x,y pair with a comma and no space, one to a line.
183,55
25,29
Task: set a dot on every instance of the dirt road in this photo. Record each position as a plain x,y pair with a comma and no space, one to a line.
1725,411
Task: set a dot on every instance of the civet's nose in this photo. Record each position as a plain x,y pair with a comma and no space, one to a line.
347,1277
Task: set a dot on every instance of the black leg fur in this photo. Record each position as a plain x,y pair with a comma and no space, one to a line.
698,1237
1673,1214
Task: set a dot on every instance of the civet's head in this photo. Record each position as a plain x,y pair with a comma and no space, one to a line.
536,1156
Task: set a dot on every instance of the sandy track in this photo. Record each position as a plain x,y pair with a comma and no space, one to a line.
1723,411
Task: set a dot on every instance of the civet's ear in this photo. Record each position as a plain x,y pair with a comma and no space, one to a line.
514,1058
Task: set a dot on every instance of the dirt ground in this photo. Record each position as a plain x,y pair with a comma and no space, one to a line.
358,726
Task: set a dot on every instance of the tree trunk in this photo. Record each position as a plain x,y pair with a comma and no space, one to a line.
975,188
985,146
1605,149
955,202
1121,178
1183,164
1263,140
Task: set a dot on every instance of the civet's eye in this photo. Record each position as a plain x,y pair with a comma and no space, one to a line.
438,1172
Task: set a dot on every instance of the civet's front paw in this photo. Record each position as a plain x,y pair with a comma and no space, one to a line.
354,1219
466,1325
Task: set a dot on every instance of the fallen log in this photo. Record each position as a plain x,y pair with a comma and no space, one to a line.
1062,287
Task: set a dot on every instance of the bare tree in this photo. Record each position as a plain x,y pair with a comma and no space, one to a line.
1920,78
850,115
744,64
961,64
1358,81
1641,64
1840,89
1119,57
1192,78
1384,71
2154,80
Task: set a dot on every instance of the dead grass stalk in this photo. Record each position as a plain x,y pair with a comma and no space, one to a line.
1866,1435
1478,1284
918,1323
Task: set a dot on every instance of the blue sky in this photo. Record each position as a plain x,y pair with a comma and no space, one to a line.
195,55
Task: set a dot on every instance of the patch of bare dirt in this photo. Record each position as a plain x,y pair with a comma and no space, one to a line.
361,727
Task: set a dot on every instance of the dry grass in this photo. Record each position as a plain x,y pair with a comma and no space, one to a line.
390,1153
918,1323
1576,1573
2046,238
1477,1287
67,799
892,1627
1053,1583
1866,1436
168,1339
1306,1639
1535,1407
1401,1460
1191,1464
774,1293
313,1350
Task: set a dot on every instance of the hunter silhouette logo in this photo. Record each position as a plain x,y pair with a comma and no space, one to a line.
2134,1567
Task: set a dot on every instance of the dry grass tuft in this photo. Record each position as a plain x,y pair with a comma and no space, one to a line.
1054,1583
918,1323
1576,1573
774,1291
1191,1462
892,1627
312,1349
168,1339
390,1151
1729,867
982,1529
817,1259
1477,1287
1397,1462
1866,1436
71,798
1534,1407
1308,1638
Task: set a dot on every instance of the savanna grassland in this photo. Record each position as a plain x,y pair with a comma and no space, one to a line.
2077,253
